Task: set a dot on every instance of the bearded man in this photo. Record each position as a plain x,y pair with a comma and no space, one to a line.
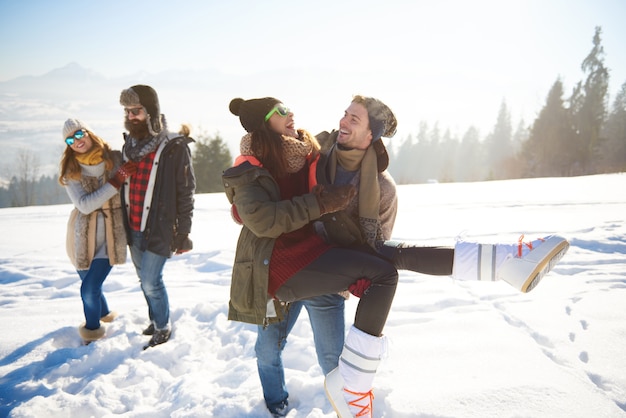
158,199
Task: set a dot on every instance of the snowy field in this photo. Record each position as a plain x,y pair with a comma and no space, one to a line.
457,349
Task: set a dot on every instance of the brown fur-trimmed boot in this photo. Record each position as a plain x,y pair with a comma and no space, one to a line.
110,317
89,335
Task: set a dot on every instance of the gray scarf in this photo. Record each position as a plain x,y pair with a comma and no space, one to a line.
136,150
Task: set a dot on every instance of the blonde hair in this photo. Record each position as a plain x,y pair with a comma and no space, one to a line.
69,166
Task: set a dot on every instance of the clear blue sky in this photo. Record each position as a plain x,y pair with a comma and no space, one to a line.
446,52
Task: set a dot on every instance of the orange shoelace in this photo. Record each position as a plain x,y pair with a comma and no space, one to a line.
362,401
527,244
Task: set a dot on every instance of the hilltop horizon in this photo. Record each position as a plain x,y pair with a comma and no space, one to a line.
33,107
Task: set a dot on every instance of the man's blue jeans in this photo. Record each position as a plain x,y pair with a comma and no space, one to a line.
94,303
326,314
149,267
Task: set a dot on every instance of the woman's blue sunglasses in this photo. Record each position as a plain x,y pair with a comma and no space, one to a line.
79,134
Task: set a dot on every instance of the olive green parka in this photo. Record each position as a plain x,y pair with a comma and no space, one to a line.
256,198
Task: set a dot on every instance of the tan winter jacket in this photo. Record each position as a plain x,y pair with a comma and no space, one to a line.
95,228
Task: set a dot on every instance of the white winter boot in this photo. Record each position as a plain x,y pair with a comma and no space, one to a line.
349,386
522,265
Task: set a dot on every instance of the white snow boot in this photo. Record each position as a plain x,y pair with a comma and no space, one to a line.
349,386
521,265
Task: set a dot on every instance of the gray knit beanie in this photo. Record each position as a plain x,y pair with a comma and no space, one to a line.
382,120
72,125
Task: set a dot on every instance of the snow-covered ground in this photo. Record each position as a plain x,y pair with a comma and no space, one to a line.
457,349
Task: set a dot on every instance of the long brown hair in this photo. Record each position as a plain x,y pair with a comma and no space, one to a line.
69,166
267,147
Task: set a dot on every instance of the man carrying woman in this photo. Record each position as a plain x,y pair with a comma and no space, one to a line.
281,187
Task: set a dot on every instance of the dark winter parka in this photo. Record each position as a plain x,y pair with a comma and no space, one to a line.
169,202
256,196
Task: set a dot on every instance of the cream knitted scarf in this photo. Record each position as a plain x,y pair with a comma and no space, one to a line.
295,151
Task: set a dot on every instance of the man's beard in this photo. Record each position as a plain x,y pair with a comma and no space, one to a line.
138,130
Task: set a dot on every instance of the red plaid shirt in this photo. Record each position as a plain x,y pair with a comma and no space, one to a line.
137,191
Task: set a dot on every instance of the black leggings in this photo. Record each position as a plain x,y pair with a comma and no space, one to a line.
337,269
436,261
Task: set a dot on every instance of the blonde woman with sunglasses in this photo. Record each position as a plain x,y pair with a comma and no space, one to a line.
92,174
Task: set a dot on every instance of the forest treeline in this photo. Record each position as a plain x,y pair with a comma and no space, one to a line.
210,157
578,133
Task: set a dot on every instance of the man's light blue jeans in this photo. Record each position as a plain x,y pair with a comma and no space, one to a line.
326,314
149,267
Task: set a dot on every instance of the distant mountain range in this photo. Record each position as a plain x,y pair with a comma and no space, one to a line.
33,108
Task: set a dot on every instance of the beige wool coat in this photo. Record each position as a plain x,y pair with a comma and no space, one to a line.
95,228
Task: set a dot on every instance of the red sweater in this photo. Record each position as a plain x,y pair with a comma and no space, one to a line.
297,249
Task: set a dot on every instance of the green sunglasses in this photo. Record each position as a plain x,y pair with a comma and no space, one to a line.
281,109
79,134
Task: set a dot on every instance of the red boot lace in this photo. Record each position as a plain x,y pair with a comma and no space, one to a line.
520,245
362,401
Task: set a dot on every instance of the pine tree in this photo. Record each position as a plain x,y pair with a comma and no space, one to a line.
547,152
447,151
469,157
499,144
591,114
400,163
210,158
614,148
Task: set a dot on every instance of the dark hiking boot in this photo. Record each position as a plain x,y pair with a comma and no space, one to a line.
149,330
160,336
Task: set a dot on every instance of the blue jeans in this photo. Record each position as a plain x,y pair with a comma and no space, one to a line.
326,314
149,267
94,303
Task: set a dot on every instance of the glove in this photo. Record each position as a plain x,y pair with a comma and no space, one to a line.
332,198
235,215
181,244
359,287
126,170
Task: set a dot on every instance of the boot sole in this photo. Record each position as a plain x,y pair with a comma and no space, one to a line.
525,273
333,384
